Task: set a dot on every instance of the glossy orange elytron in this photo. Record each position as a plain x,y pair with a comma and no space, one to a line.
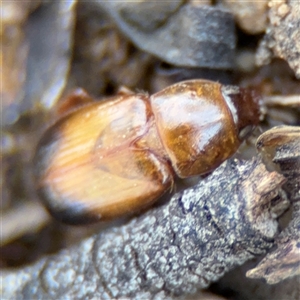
116,157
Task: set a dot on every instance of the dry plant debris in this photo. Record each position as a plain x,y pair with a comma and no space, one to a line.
281,146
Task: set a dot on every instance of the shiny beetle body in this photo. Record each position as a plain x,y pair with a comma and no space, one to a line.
116,157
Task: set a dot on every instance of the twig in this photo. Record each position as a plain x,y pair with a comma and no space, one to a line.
174,249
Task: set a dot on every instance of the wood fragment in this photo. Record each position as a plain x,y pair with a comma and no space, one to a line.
281,145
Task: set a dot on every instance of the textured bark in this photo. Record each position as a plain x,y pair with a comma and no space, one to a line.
282,38
171,250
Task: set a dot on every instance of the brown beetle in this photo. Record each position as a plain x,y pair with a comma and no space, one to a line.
115,157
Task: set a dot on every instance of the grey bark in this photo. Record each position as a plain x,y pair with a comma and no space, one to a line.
171,250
